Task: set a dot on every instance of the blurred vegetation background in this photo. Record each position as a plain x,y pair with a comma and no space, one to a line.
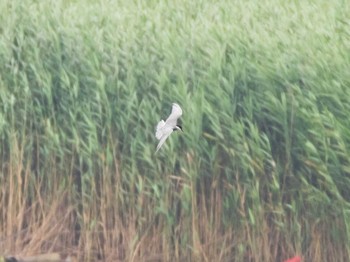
261,172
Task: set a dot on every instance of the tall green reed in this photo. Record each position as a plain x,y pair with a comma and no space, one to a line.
263,158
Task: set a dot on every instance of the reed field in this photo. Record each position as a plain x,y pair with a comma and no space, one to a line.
260,173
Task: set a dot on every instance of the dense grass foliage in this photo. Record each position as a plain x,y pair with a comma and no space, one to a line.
261,172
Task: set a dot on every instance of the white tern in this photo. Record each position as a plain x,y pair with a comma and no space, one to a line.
164,129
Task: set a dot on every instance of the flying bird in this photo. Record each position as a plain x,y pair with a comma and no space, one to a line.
165,128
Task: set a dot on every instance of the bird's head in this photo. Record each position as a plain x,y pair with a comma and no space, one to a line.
178,127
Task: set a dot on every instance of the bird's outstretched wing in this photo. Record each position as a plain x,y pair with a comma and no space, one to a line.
176,112
159,132
166,134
